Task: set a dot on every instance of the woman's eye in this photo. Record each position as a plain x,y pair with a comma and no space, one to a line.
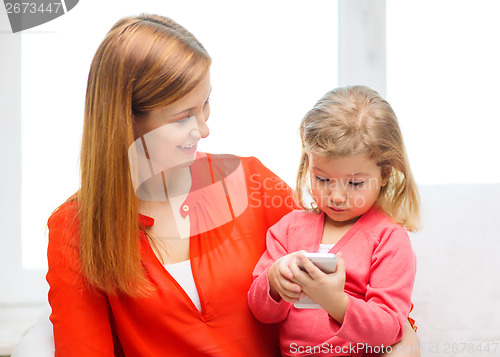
321,179
183,120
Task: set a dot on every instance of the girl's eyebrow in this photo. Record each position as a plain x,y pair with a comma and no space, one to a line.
315,168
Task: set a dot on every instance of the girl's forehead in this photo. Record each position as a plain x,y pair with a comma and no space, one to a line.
360,164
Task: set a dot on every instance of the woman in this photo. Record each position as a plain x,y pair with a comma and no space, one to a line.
154,254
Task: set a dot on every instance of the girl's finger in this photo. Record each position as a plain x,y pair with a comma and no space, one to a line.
289,291
284,267
313,271
291,288
289,298
299,275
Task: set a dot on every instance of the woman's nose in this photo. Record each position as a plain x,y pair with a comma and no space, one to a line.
203,127
200,128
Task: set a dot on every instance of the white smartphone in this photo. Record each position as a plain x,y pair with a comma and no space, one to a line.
327,262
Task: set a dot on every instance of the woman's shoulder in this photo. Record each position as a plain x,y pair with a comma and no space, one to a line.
224,164
63,230
225,159
64,216
256,173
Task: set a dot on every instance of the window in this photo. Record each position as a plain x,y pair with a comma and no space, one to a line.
442,80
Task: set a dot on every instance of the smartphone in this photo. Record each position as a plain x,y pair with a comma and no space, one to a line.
327,262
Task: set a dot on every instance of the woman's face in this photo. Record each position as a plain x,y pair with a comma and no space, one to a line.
170,134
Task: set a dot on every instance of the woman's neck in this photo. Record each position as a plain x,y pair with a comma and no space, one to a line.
161,199
166,186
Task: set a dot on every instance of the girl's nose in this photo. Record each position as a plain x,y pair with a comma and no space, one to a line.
338,196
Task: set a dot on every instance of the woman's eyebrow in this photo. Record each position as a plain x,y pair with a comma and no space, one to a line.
184,111
189,109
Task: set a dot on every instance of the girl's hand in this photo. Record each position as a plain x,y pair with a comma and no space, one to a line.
280,279
327,290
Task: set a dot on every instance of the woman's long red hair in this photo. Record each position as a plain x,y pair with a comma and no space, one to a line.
144,63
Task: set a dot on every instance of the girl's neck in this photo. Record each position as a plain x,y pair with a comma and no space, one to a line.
333,231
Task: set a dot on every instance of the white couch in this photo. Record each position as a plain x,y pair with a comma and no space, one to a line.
457,288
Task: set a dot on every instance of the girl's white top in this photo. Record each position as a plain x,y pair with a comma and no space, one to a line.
325,248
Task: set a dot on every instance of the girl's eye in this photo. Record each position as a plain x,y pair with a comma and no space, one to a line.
321,179
357,184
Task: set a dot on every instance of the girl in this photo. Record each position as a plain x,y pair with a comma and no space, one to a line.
355,168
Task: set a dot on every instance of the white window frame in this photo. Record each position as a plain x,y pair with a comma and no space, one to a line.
18,285
362,44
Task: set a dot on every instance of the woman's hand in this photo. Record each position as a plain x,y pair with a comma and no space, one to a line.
281,279
327,290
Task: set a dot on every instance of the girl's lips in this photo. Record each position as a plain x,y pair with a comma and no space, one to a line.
336,209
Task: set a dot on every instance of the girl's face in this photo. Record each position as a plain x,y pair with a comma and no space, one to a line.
346,187
170,134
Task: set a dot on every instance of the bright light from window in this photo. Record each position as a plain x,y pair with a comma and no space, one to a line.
271,61
443,80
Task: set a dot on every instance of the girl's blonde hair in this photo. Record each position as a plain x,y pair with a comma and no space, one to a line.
355,120
144,63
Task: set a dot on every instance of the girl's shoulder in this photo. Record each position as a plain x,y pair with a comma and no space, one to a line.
381,226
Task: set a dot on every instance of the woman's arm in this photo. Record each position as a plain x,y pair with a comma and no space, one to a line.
80,316
409,346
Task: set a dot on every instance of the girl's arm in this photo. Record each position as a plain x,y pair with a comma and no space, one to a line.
387,301
265,298
80,317
379,317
